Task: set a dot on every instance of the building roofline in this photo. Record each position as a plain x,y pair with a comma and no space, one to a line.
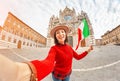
24,23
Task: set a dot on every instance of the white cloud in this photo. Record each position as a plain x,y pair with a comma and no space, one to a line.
103,14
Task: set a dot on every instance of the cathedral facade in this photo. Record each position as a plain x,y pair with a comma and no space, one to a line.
72,20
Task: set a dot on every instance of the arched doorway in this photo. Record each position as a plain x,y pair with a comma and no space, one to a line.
83,44
70,40
19,44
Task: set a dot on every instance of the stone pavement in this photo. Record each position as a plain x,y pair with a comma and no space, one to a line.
102,64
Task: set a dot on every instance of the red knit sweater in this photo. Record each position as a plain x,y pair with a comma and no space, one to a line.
59,59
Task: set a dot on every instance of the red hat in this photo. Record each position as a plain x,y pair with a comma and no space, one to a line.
53,30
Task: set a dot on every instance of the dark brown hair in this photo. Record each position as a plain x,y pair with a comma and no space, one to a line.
56,41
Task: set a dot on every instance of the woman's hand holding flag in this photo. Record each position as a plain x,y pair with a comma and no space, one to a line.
90,48
83,31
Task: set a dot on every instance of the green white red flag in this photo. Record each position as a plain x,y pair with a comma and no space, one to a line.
83,31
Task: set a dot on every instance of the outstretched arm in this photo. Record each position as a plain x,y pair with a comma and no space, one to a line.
83,54
8,69
13,71
46,66
16,71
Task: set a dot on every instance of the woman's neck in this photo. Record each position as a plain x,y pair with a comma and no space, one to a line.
61,43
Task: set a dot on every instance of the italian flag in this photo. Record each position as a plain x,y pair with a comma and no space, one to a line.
83,31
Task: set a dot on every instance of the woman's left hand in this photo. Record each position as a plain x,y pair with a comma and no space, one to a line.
90,48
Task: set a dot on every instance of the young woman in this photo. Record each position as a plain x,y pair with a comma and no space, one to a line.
63,54
58,61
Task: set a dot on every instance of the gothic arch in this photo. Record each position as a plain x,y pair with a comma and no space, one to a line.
70,40
83,43
19,44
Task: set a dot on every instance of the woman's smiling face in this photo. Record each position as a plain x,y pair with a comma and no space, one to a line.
61,36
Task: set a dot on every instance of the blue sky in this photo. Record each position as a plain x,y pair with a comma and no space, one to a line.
103,14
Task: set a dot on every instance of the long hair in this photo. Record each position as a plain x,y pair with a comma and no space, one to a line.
56,41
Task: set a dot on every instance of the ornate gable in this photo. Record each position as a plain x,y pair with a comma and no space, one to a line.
68,17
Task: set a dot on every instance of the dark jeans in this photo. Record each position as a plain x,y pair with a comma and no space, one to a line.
67,78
